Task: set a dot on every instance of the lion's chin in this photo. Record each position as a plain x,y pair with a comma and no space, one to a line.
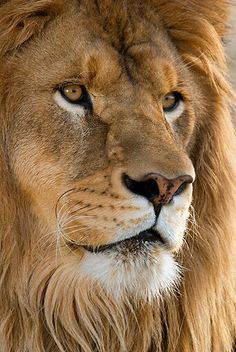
143,275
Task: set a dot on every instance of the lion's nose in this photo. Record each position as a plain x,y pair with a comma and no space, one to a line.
157,188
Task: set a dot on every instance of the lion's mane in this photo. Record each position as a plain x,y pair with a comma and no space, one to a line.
50,309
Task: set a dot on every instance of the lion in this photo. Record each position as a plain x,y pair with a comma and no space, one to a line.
117,169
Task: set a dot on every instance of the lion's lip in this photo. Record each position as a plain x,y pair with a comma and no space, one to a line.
147,236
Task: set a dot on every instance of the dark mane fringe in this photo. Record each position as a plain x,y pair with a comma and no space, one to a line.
202,317
20,20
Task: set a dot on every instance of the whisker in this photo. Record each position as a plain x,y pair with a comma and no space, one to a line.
74,242
75,227
77,217
62,211
82,208
66,245
61,197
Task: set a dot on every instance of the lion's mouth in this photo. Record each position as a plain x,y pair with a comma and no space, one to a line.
147,236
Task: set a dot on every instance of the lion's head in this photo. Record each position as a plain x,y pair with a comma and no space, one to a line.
114,120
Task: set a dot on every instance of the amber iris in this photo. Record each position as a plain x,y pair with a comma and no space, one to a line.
72,92
170,101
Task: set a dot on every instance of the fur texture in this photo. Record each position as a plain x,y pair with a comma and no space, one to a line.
128,55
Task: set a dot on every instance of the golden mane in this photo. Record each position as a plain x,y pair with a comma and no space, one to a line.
201,315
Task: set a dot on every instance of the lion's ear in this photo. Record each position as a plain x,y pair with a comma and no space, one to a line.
21,19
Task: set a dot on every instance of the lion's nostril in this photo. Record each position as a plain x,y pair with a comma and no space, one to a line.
132,185
157,188
148,189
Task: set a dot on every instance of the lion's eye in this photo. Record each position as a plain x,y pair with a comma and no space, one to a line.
171,101
73,98
73,93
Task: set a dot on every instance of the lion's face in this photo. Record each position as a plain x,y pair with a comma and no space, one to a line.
101,131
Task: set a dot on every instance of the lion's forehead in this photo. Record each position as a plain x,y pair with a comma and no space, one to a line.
105,66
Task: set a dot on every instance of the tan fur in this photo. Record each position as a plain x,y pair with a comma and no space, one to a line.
128,56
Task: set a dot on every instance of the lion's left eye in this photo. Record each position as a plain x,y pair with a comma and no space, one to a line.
72,93
171,101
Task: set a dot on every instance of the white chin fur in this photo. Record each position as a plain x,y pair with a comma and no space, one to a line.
142,277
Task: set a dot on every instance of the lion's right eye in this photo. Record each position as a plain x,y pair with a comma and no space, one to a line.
173,106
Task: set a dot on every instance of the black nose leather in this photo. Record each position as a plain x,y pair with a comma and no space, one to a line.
157,188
